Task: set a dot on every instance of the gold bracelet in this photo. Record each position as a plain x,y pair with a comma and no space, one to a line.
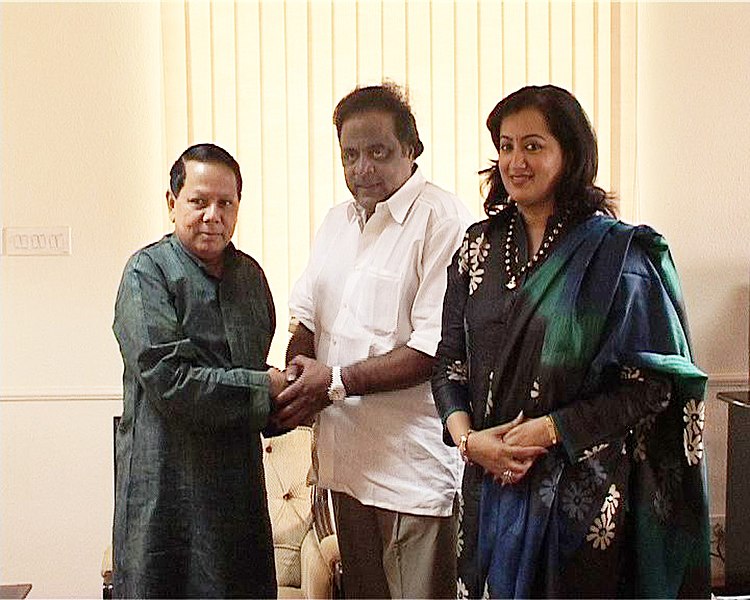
551,429
462,445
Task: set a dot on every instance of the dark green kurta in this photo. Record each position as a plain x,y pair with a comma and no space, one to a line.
191,518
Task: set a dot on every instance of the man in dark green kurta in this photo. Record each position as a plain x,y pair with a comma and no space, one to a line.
194,320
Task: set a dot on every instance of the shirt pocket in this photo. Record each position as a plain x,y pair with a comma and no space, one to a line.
377,309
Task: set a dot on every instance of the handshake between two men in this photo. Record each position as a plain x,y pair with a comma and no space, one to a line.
299,392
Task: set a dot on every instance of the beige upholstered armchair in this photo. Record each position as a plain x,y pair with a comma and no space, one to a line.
305,546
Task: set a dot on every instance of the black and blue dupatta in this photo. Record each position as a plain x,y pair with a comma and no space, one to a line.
597,338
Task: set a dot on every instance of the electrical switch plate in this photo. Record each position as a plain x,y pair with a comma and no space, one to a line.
36,241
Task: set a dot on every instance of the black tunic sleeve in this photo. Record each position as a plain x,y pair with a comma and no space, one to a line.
638,395
450,375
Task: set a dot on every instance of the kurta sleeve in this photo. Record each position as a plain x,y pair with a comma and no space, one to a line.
450,375
180,377
271,307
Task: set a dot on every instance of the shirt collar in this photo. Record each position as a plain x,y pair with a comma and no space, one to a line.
398,204
355,212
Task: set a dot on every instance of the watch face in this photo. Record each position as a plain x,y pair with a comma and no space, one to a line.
337,395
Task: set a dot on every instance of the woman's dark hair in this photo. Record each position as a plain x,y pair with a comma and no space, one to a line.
567,122
387,98
204,153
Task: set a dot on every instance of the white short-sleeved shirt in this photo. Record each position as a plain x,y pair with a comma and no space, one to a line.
368,288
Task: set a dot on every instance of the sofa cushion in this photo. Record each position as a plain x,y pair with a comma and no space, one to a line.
287,460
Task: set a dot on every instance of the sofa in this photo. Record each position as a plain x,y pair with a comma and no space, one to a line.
306,550
305,545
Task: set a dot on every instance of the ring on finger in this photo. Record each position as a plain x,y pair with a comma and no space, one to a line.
507,476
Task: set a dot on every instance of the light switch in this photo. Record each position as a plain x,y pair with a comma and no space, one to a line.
36,241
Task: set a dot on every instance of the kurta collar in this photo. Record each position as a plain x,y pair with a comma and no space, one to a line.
399,203
230,254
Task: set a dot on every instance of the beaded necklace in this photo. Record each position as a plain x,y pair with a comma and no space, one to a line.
511,277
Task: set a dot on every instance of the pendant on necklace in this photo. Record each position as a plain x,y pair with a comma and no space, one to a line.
511,283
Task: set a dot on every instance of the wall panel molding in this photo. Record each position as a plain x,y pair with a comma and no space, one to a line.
729,382
716,383
106,394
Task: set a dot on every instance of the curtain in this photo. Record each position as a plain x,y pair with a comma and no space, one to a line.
262,77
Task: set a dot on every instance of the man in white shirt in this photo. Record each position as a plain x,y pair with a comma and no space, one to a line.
366,317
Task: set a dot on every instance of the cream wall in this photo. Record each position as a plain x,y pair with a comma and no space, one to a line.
693,164
694,181
82,146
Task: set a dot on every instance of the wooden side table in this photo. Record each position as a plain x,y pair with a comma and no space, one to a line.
737,565
15,591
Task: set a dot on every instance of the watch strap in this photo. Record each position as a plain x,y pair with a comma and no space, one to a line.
336,391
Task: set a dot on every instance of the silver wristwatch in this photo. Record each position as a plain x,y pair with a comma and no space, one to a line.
336,391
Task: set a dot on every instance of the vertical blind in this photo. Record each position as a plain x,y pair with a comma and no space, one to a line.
261,78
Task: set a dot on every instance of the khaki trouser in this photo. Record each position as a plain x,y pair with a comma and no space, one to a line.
387,554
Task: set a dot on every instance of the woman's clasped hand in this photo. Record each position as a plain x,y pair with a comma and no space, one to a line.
504,451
